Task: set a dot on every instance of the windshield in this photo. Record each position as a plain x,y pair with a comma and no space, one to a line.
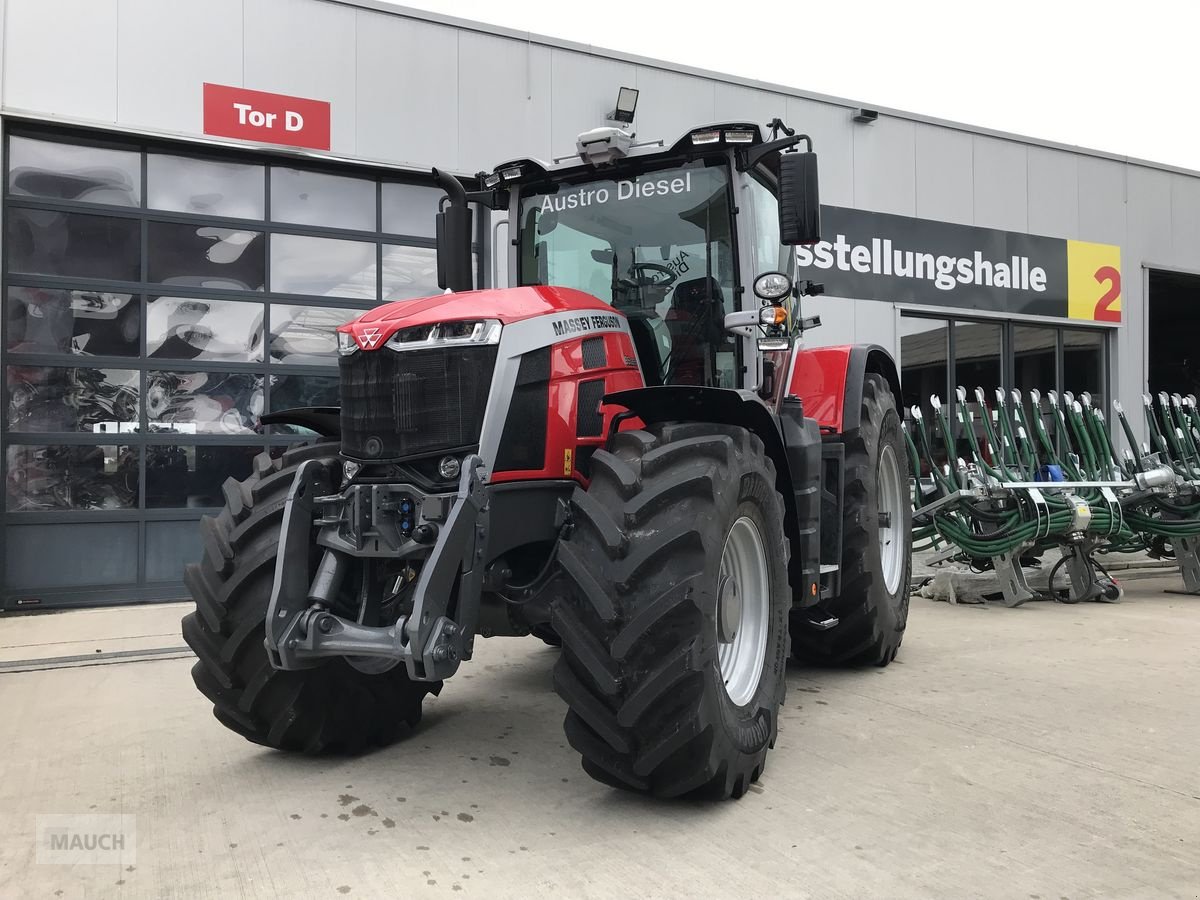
658,247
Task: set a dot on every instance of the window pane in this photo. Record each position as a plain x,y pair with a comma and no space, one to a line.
49,398
329,201
409,272
1035,351
191,476
204,256
203,402
322,266
71,477
410,209
291,391
205,186
45,242
1083,364
923,353
305,335
67,172
185,328
977,357
83,322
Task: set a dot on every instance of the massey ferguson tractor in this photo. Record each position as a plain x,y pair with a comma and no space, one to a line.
625,452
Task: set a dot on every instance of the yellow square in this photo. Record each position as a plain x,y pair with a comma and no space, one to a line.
1093,281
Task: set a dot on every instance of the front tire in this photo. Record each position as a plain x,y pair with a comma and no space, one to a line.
332,707
672,677
876,544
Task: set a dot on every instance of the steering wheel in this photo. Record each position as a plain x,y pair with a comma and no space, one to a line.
648,274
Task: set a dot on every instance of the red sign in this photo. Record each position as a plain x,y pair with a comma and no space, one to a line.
270,118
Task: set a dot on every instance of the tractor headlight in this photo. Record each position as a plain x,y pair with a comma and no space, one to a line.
346,343
772,286
473,332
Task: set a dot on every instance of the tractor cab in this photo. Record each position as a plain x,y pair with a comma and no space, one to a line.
679,240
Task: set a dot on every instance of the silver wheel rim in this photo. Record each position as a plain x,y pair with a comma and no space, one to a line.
892,499
743,606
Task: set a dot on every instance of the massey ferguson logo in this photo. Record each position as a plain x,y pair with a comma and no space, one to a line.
369,337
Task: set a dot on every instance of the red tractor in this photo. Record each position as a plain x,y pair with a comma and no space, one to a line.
626,452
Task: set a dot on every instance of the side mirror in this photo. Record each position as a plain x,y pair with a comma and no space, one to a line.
455,235
799,201
454,231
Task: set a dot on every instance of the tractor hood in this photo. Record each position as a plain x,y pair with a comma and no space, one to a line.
509,305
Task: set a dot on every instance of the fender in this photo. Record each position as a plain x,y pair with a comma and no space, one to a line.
324,420
829,381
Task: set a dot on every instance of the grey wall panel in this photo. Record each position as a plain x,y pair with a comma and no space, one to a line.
584,92
71,555
671,104
832,132
943,175
305,48
61,57
1148,216
735,102
875,323
169,547
1053,192
504,101
1185,221
1101,201
159,81
885,166
1000,184
837,321
407,77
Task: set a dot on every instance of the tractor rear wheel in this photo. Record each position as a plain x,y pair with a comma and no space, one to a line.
673,613
876,544
332,707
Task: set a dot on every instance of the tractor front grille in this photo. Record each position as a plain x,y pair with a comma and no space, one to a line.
399,405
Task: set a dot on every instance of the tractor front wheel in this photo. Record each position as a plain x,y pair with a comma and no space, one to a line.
332,707
673,615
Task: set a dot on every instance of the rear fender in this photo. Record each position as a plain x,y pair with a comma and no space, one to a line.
829,382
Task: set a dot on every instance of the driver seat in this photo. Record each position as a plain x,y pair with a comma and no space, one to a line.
690,321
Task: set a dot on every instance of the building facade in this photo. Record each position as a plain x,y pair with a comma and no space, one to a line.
196,193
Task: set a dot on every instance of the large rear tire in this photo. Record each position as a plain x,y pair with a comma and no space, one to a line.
332,707
876,544
673,615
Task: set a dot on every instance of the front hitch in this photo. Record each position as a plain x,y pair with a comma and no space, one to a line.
301,631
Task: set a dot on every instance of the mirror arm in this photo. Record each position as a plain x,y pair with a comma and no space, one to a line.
748,158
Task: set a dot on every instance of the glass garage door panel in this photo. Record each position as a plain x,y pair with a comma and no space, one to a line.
191,475
65,399
73,244
84,322
1083,364
300,197
204,329
307,335
57,477
205,256
203,402
410,209
206,187
58,171
409,272
325,267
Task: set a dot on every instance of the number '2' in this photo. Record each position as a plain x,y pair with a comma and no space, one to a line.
1104,311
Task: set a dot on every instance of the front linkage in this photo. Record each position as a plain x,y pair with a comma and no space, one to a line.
448,532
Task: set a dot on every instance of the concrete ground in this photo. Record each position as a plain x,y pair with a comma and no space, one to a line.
1043,752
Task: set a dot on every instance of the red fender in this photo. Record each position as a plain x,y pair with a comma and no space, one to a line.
829,380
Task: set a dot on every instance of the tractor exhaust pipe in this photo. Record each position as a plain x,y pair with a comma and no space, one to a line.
454,235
